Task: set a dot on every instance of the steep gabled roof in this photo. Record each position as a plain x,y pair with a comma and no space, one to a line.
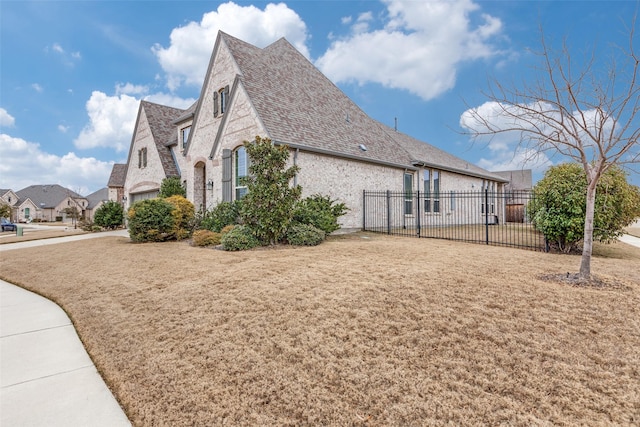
47,196
102,195
299,106
118,175
161,121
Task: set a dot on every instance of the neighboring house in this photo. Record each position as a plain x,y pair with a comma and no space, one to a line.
96,199
276,92
48,203
10,198
116,182
517,193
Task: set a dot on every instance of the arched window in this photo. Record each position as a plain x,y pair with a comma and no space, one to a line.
241,169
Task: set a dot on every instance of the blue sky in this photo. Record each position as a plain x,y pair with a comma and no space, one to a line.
73,72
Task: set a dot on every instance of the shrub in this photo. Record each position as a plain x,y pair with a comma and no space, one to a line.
206,238
183,215
172,186
268,205
305,235
558,211
110,215
319,211
227,229
240,238
220,216
151,220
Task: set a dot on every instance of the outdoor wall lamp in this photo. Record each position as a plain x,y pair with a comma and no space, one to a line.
210,185
124,199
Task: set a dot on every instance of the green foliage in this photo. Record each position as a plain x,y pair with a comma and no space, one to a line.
5,210
558,210
110,215
319,211
223,214
239,238
267,208
151,220
183,215
206,238
305,235
172,186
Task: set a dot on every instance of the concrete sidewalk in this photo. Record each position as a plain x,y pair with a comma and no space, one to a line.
630,240
46,375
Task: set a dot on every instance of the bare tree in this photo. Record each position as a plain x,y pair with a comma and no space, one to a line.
572,111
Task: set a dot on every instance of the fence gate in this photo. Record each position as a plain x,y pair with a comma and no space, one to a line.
491,218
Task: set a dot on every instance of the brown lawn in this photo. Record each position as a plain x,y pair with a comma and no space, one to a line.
362,330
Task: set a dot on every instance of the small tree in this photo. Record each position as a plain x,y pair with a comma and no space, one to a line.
5,210
319,211
267,207
581,111
74,213
172,186
110,215
558,211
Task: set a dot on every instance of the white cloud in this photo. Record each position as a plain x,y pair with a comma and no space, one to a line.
24,163
131,89
37,87
6,119
418,49
111,122
68,58
185,60
63,128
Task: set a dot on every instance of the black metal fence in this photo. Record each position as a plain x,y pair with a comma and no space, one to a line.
491,218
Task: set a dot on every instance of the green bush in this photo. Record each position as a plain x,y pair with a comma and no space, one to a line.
183,215
110,215
151,220
305,235
223,214
558,211
172,186
319,211
206,238
240,238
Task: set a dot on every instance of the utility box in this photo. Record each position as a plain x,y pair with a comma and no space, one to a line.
18,231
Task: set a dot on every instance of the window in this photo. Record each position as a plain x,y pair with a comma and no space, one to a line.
240,171
142,157
220,100
408,193
185,136
432,191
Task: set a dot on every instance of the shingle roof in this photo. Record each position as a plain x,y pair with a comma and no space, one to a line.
102,195
301,107
47,196
161,118
118,175
187,114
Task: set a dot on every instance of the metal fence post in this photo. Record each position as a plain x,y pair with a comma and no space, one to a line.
364,210
388,212
486,215
418,212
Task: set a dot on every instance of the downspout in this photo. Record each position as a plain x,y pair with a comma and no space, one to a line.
295,163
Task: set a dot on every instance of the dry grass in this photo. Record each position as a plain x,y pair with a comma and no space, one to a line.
361,330
37,234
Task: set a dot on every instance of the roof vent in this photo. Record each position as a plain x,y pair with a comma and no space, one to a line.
362,147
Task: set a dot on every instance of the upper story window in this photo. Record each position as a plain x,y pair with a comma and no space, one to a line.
431,190
142,157
185,136
220,101
241,170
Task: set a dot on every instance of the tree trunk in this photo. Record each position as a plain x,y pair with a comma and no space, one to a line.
585,263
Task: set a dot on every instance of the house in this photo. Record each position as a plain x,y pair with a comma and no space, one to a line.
276,92
95,200
10,198
48,203
116,182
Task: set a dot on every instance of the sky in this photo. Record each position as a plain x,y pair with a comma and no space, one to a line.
72,73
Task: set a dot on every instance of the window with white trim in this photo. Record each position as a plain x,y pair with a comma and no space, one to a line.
185,136
432,190
220,101
142,158
408,193
240,170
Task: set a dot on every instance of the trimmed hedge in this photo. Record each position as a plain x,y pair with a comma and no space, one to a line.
151,220
206,238
240,238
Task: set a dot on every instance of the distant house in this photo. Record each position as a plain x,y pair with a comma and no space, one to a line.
48,203
10,198
276,92
517,193
96,199
116,182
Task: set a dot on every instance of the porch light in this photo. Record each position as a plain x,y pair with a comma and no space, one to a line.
210,185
